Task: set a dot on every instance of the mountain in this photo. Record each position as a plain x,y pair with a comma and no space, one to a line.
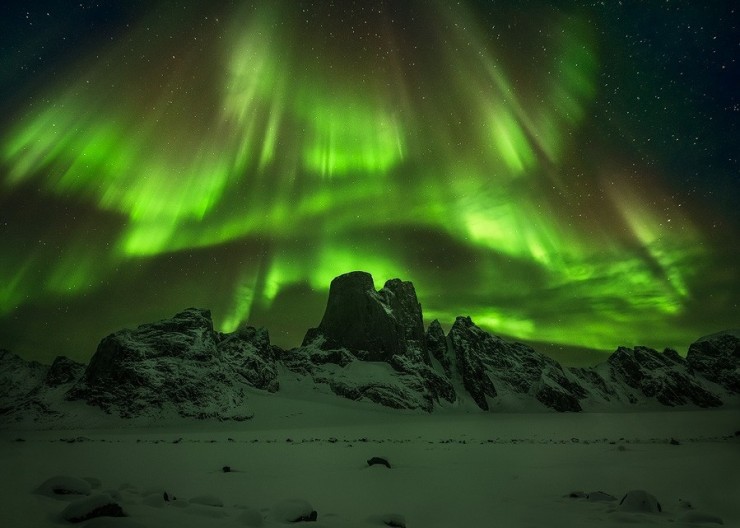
369,346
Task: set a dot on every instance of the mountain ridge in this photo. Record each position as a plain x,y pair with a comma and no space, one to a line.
369,346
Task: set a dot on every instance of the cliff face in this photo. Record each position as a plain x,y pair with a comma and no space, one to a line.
370,345
180,364
374,325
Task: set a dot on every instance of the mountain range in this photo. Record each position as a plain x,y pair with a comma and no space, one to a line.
369,346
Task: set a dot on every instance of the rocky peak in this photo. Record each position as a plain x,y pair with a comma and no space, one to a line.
717,358
401,299
376,325
63,370
174,363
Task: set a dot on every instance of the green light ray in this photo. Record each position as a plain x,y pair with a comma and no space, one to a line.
319,158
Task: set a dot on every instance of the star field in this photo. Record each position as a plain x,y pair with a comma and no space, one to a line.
563,172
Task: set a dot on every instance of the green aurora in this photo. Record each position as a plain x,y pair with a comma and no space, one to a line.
241,158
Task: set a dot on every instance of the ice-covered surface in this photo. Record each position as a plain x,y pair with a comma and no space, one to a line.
469,470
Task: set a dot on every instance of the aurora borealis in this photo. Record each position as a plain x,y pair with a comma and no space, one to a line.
562,172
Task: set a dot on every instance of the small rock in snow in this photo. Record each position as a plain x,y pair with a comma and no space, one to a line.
379,461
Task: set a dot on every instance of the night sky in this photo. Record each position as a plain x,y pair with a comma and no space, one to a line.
565,173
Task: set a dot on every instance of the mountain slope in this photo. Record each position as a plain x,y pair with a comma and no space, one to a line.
370,345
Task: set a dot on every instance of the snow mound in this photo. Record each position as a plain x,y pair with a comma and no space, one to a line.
64,485
600,496
251,517
91,507
639,501
294,510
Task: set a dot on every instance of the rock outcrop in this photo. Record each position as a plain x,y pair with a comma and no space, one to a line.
181,365
717,358
641,374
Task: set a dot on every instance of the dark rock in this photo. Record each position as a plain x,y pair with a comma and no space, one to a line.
373,325
180,364
379,461
557,398
252,356
436,385
471,345
632,375
63,370
436,344
20,381
717,358
488,364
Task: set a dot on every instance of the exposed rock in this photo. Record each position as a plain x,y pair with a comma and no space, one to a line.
436,344
179,364
373,325
489,364
650,374
19,379
252,356
717,358
471,345
64,370
379,461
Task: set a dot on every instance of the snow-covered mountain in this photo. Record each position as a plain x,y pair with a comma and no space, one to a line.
369,346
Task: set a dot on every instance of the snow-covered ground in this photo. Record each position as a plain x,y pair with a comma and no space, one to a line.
448,469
